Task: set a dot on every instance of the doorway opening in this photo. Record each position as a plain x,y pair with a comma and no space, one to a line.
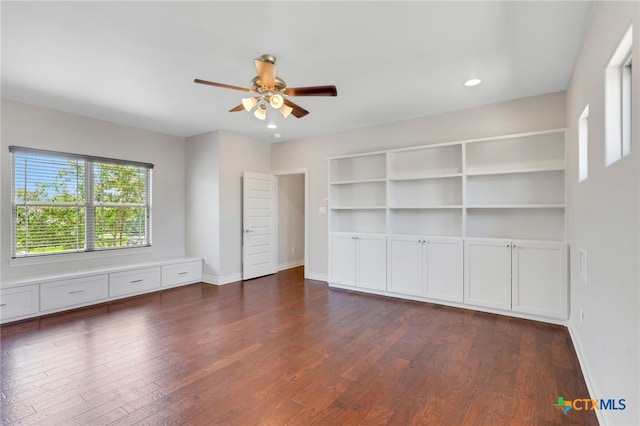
292,219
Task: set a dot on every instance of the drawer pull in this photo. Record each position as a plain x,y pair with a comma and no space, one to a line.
76,291
3,304
183,273
136,281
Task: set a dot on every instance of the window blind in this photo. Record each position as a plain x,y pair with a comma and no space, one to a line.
64,203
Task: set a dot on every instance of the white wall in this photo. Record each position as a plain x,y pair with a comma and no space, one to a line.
604,220
290,220
238,154
202,199
42,128
522,115
216,162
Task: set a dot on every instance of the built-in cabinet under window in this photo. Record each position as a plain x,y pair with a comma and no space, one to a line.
436,206
31,297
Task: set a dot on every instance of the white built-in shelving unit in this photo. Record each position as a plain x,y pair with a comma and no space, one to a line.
425,191
507,191
358,196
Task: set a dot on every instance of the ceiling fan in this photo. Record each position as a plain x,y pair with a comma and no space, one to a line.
273,91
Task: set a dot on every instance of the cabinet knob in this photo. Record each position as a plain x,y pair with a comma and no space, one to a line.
508,245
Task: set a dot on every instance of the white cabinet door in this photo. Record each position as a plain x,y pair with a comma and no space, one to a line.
443,260
539,278
342,259
371,261
425,267
19,302
487,273
404,265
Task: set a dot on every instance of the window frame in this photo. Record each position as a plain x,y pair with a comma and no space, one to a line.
618,102
583,145
86,201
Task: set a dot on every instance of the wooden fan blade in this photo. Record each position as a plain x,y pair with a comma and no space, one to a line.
312,91
238,108
225,86
298,111
266,73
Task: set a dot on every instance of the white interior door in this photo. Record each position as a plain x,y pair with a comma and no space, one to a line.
258,223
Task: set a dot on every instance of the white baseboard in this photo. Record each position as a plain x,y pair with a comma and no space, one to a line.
316,276
289,265
228,279
216,280
592,387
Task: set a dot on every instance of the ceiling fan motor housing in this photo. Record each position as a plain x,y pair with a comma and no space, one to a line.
257,86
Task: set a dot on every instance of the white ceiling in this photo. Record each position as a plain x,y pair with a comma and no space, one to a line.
134,62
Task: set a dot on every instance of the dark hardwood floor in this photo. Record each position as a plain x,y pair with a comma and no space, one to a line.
282,350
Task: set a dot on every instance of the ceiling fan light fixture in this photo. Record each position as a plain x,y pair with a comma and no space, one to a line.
276,101
267,89
285,110
261,112
249,103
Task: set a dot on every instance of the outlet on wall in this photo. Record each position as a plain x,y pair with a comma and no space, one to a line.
293,250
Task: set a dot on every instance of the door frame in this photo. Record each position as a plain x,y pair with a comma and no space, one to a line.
305,172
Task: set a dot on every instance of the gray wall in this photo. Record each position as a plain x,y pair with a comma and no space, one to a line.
523,115
42,128
604,220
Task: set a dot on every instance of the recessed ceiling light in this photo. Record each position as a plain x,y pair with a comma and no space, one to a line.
272,125
277,135
472,82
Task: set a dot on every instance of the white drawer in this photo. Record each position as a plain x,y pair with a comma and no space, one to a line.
72,292
134,281
182,273
19,302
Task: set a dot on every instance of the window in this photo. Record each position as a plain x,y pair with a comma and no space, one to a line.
618,101
65,203
583,144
